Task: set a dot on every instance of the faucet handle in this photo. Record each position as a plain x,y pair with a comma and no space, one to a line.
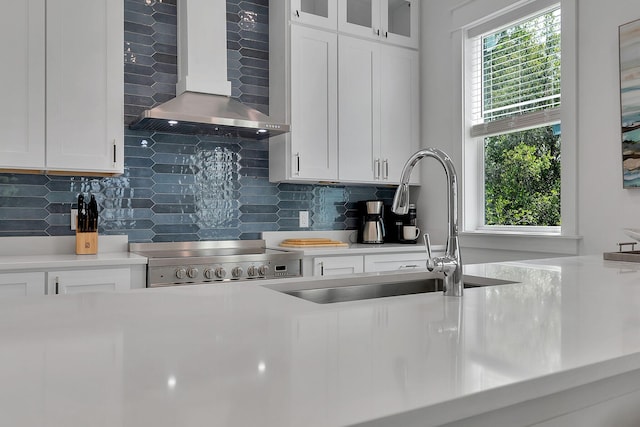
444,264
427,244
431,264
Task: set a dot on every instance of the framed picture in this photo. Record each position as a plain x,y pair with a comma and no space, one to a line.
629,38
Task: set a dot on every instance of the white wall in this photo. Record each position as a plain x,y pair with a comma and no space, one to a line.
604,207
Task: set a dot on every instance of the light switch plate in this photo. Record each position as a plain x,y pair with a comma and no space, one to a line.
303,219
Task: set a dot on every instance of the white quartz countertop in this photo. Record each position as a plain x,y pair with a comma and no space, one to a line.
241,354
360,249
39,262
274,238
39,253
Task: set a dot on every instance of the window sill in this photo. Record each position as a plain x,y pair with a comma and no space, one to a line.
525,242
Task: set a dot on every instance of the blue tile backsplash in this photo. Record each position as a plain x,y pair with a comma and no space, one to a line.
184,187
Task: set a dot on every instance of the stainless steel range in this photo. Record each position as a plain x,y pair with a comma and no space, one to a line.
182,263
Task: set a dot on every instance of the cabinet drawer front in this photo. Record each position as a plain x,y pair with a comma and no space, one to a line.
332,266
77,281
21,284
391,262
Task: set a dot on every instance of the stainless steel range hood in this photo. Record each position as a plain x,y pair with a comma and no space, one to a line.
203,104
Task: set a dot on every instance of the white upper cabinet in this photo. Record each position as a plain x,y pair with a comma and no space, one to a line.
354,116
319,13
314,87
22,41
378,111
303,90
359,110
399,111
392,21
67,60
85,84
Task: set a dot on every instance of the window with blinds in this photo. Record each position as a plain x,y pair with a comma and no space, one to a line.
516,75
513,81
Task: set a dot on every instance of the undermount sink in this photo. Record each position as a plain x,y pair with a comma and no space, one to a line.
356,292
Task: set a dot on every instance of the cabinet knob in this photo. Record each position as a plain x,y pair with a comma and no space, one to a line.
297,14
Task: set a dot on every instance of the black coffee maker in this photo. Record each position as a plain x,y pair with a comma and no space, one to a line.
371,228
396,226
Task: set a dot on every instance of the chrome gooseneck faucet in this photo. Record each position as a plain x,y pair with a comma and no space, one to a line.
451,263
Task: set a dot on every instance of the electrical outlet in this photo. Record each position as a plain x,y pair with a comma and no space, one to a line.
74,218
303,219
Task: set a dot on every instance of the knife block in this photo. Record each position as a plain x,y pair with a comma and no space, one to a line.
87,243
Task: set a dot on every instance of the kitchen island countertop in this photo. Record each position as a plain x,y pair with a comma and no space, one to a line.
242,354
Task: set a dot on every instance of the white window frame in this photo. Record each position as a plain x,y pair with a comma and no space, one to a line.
473,229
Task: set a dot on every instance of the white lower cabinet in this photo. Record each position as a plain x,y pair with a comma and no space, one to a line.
77,281
336,265
389,262
22,284
352,264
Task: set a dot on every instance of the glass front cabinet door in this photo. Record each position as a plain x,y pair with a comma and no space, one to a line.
393,21
319,13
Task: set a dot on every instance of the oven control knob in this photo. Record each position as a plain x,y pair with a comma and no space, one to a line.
236,272
252,271
264,269
208,273
181,273
220,273
192,272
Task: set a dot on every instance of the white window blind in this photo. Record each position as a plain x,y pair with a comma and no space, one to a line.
516,75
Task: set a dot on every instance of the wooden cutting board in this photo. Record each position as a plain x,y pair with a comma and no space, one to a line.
313,242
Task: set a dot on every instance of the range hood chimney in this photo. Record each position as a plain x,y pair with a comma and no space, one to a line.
203,104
